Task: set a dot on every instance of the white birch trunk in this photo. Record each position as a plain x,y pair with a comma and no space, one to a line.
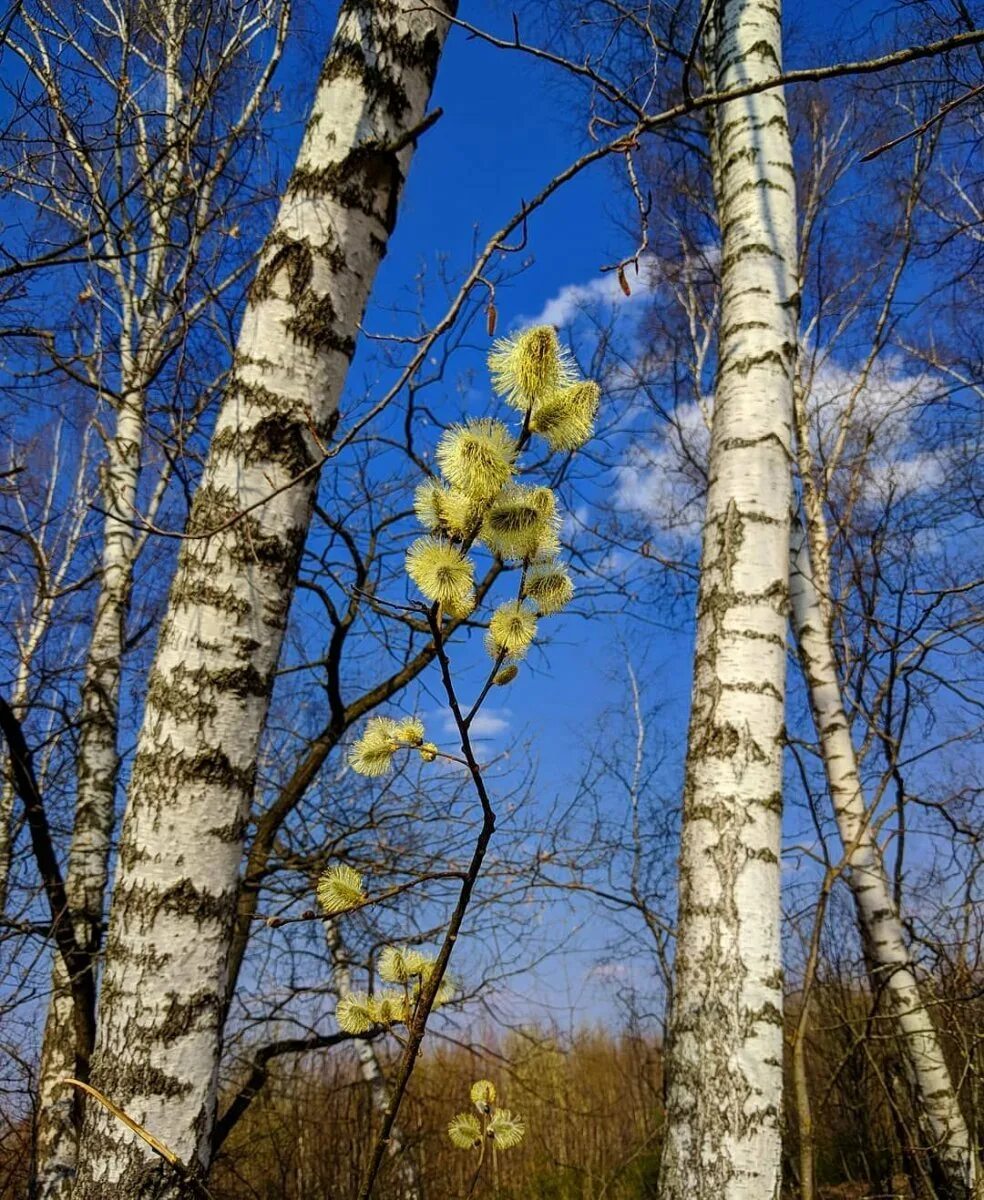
98,767
886,950
723,1121
174,900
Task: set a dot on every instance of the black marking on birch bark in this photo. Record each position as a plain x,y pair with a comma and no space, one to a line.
766,51
749,362
295,261
313,324
397,55
168,694
234,832
747,154
182,899
731,260
281,437
364,177
126,1079
728,331
348,60
165,765
212,507
754,635
193,593
748,444
184,1016
759,185
745,122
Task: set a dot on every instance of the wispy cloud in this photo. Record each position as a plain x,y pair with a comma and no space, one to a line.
488,723
662,478
575,298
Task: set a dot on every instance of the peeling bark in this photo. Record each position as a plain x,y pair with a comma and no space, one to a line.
890,965
726,1037
175,897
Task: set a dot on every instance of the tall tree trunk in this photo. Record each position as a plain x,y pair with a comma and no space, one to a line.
160,1032
890,965
726,1036
98,767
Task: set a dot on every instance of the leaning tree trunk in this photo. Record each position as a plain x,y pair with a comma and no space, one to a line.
890,964
160,1032
726,1037
98,765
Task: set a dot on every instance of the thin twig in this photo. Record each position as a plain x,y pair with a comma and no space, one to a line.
417,1025
927,124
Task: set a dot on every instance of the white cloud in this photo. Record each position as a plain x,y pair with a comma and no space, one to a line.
575,298
881,427
611,972
488,723
662,478
573,522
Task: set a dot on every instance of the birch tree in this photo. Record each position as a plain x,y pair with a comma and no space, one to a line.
837,464
892,970
725,1052
148,187
175,895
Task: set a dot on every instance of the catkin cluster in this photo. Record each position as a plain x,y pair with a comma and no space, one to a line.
492,1126
477,499
408,970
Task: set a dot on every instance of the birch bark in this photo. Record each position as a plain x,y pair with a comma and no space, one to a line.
890,964
726,1037
175,896
98,767
146,276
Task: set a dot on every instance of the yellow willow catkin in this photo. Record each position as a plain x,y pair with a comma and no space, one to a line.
566,417
340,889
373,753
477,458
483,1095
528,368
354,1013
511,629
442,573
465,1131
522,523
549,586
398,964
506,1130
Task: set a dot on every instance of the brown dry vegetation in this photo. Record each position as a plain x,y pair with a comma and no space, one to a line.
592,1105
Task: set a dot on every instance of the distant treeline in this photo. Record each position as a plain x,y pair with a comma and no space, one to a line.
593,1111
593,1108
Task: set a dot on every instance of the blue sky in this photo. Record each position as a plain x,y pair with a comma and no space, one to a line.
510,123
508,126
